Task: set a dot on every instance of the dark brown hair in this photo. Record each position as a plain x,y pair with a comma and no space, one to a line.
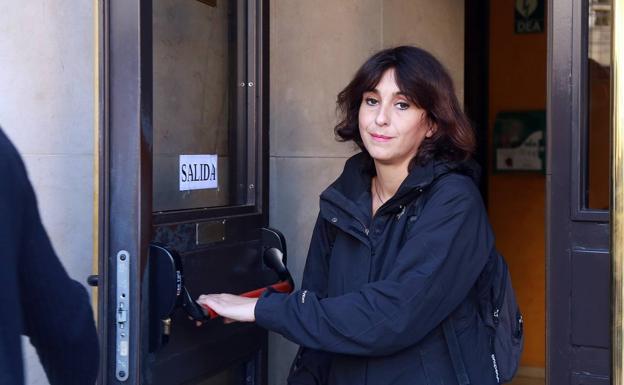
427,84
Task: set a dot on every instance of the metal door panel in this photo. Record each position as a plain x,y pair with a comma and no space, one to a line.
590,306
224,258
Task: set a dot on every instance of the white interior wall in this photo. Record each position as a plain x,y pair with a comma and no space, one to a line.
316,47
46,109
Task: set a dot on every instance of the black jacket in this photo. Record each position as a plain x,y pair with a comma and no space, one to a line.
376,290
38,299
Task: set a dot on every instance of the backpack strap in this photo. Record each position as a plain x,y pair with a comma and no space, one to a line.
455,352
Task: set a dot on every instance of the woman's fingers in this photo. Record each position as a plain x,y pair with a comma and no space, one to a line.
234,307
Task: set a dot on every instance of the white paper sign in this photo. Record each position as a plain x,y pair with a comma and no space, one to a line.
198,172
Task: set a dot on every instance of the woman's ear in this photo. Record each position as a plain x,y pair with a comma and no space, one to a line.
432,130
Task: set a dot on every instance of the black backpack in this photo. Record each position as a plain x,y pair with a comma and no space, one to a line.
500,313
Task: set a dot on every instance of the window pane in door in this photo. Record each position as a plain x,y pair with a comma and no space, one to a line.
195,103
599,97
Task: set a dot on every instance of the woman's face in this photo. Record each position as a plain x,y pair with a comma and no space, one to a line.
391,126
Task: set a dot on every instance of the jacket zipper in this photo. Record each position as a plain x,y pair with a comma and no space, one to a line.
366,229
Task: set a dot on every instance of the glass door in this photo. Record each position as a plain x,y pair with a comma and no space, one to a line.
183,169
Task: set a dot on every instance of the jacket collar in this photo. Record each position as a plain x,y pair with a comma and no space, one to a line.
351,191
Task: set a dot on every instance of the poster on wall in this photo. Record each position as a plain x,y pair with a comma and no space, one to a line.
520,141
529,16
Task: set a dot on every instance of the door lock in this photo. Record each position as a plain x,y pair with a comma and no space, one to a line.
123,316
93,280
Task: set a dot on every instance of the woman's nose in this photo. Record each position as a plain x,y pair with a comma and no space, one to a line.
382,116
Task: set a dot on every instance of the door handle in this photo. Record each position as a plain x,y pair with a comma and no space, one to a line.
167,290
167,279
93,280
274,259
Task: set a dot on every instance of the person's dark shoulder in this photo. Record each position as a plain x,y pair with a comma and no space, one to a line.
10,160
15,185
458,188
15,190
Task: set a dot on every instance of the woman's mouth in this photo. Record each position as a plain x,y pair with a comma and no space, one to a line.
380,138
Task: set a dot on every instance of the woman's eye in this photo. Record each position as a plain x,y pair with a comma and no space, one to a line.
371,101
402,105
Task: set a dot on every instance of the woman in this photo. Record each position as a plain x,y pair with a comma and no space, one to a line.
400,240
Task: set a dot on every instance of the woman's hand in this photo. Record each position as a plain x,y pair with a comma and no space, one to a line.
231,307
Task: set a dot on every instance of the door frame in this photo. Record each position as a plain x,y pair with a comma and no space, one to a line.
576,235
124,137
617,194
476,80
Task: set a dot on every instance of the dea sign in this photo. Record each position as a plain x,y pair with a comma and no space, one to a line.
529,16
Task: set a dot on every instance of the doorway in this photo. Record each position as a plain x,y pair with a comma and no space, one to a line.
548,96
549,213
